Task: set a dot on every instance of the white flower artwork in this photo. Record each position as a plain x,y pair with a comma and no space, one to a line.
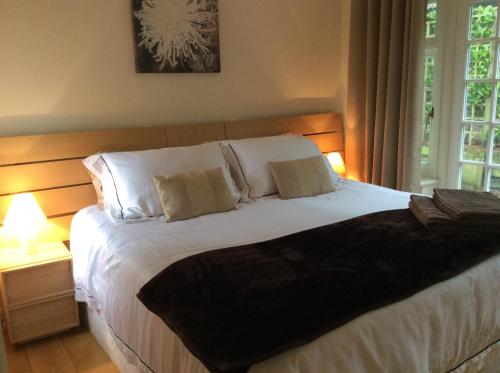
176,36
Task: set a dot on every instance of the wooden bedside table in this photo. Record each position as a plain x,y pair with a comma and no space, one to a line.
37,292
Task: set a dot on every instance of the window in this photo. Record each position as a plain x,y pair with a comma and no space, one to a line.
429,132
428,115
461,97
431,19
480,120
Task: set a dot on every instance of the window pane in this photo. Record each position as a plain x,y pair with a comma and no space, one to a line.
477,102
475,140
483,20
429,71
472,177
496,146
497,110
426,130
428,108
498,65
480,61
430,22
495,182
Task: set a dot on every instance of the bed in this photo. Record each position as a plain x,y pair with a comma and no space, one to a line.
111,269
453,325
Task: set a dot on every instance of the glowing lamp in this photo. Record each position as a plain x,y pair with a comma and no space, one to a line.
24,220
337,162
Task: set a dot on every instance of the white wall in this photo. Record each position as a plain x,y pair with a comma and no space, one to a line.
69,65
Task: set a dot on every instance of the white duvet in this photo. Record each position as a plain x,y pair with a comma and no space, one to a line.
432,331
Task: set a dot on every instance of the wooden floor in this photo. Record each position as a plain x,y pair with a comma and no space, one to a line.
72,352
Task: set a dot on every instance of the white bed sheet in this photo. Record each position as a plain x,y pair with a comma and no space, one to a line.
433,331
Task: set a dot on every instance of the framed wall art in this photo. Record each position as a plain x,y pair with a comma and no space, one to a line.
176,36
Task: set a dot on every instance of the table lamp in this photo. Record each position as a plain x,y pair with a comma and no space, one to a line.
24,220
337,163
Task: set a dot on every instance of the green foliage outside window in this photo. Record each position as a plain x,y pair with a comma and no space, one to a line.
480,104
428,108
479,101
430,32
430,24
483,25
480,64
483,20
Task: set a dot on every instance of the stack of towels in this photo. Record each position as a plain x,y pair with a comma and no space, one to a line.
450,207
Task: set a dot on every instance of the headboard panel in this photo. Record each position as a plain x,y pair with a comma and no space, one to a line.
50,165
324,129
41,175
39,148
304,124
194,134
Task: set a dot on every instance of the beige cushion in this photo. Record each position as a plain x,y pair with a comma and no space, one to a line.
302,177
189,194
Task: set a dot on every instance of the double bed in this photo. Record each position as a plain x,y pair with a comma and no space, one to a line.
431,331
453,325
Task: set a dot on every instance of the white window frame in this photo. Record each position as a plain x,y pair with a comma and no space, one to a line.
432,48
450,44
428,169
456,120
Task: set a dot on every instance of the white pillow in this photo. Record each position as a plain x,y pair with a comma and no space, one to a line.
249,158
127,177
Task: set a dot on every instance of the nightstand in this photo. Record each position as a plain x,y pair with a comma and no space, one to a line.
37,292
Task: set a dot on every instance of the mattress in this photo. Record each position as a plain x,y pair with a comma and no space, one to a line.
433,331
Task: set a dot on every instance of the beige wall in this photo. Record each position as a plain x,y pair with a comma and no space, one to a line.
69,65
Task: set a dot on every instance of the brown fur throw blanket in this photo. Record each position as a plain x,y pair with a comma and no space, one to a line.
237,306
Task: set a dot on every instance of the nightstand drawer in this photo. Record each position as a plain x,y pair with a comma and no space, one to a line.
43,318
28,284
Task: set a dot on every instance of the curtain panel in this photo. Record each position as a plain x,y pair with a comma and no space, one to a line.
385,92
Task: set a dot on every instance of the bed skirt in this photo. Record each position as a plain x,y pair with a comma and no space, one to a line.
486,361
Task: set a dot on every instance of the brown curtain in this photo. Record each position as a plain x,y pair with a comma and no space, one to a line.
385,90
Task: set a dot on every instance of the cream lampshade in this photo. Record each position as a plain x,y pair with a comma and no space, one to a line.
24,220
337,163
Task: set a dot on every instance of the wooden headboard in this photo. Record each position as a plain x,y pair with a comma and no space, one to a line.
50,165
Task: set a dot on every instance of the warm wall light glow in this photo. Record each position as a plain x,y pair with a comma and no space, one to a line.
24,220
337,163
